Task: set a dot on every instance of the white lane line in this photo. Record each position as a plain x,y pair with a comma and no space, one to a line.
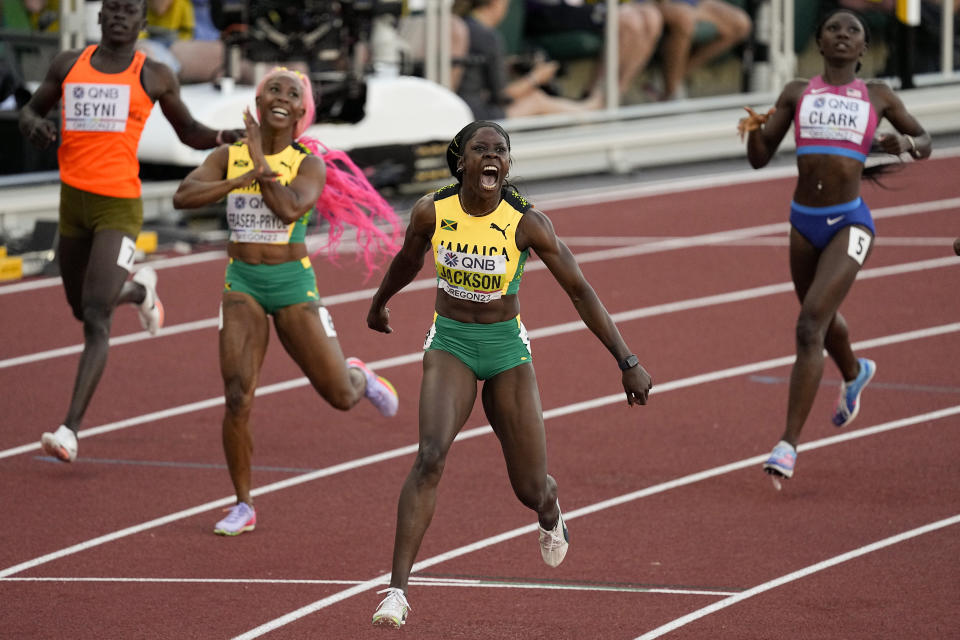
576,325
736,296
590,509
765,241
556,201
796,575
667,244
663,244
463,435
549,202
162,263
414,580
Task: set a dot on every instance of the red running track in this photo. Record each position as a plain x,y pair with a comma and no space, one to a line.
674,528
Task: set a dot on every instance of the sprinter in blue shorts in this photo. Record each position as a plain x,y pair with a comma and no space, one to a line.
835,116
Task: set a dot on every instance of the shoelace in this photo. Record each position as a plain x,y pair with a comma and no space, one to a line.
394,593
555,538
238,514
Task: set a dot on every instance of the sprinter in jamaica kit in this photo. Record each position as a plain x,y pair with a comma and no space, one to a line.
479,232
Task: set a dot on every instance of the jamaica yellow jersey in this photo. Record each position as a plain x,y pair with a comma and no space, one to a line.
248,216
477,257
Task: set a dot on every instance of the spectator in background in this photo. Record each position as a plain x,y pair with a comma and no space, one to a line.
681,56
412,29
44,14
639,26
484,85
181,35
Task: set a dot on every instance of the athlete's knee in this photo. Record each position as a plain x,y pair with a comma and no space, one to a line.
811,329
429,464
341,397
537,493
237,395
96,317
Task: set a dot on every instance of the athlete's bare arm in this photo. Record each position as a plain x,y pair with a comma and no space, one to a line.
208,183
406,264
536,232
762,142
162,87
33,123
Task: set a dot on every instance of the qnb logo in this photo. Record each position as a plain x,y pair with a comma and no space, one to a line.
78,93
450,259
819,102
240,202
111,93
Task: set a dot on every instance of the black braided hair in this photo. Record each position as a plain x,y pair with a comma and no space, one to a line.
455,148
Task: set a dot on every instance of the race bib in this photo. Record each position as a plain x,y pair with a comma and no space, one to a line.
472,277
95,107
250,220
828,116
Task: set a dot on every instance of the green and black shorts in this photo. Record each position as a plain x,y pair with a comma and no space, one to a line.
273,286
488,349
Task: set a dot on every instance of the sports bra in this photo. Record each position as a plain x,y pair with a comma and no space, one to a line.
835,120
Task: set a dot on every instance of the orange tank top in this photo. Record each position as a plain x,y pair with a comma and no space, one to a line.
102,118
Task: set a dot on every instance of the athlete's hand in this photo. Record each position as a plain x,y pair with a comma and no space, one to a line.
893,143
637,383
42,133
379,320
753,121
252,131
262,170
229,136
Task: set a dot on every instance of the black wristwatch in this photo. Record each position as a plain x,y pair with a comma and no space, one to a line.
628,363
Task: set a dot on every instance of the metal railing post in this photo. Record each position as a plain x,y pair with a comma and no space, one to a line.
612,57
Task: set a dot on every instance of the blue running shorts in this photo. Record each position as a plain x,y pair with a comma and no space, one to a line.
820,224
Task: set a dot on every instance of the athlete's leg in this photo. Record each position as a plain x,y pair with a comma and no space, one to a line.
316,350
92,279
822,284
511,401
447,394
243,343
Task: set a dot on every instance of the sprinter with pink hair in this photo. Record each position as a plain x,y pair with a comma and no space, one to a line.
272,180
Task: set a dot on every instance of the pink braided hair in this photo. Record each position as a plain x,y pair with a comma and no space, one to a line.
347,198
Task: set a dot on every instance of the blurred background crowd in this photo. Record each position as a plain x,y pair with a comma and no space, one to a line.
506,58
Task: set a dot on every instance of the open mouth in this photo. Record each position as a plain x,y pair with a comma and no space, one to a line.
282,113
489,177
